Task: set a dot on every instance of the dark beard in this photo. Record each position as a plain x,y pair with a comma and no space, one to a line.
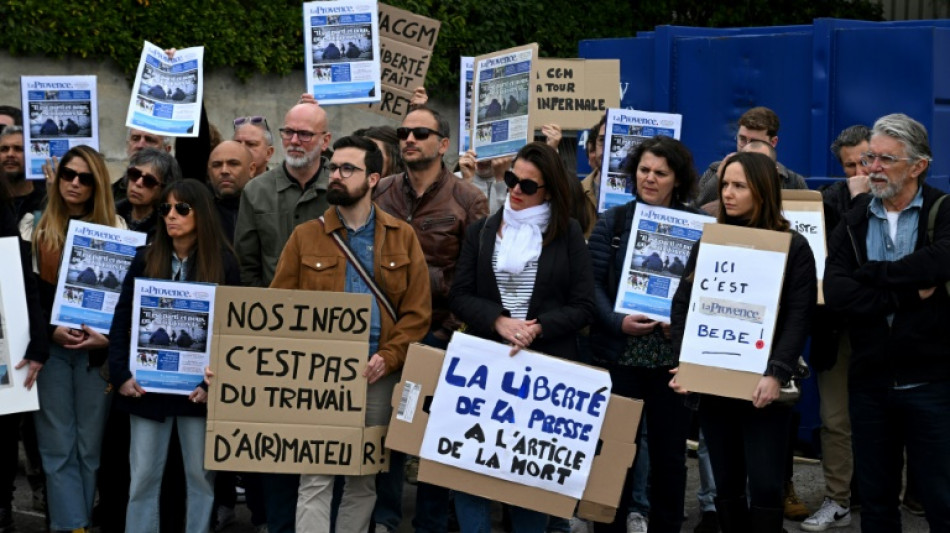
339,195
12,178
421,164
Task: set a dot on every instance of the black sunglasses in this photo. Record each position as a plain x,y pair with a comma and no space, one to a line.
148,180
528,187
181,207
87,179
256,120
419,133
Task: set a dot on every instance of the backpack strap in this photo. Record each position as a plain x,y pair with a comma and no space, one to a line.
932,223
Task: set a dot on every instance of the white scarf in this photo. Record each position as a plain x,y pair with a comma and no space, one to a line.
521,237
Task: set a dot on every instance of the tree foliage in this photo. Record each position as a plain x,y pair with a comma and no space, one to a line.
267,37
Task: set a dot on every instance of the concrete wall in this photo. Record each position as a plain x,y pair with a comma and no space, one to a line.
225,98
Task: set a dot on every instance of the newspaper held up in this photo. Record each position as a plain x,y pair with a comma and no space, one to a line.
166,97
341,41
626,129
467,64
660,242
95,261
171,346
14,334
501,100
59,112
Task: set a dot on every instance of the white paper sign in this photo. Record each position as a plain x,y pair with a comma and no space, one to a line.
501,101
59,112
467,64
660,242
166,97
733,306
14,333
625,130
531,419
341,40
95,261
171,345
811,224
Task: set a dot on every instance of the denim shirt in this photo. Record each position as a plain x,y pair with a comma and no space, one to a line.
361,242
179,267
879,244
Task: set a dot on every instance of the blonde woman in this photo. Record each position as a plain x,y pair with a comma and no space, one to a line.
74,398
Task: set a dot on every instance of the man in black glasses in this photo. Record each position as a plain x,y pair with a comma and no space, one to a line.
254,133
271,206
439,206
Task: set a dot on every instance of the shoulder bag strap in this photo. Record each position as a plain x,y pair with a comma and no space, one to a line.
351,257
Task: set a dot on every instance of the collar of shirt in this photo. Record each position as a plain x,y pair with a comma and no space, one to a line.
876,207
370,221
411,192
179,267
314,180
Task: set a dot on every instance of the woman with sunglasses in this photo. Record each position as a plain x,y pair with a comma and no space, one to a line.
74,398
188,246
636,349
748,440
149,170
524,278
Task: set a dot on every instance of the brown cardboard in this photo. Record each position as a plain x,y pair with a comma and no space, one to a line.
574,93
802,200
719,381
406,41
608,470
288,393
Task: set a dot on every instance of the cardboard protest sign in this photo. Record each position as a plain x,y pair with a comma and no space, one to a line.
288,394
805,210
416,402
732,310
574,93
406,41
14,334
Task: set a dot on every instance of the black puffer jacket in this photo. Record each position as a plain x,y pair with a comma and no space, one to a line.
799,294
915,346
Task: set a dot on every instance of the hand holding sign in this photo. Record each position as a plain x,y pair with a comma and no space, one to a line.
375,369
638,325
766,392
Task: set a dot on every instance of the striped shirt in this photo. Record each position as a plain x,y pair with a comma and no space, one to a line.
515,289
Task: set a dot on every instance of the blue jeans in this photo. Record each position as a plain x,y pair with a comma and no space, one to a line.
639,495
69,425
706,495
147,455
883,422
474,514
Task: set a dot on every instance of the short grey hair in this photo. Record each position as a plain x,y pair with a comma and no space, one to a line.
850,137
910,133
165,140
161,161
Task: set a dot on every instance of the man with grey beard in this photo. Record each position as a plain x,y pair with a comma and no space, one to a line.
279,200
888,269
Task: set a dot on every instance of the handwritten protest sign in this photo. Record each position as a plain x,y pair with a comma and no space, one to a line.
575,93
805,211
288,393
732,309
406,41
14,334
516,418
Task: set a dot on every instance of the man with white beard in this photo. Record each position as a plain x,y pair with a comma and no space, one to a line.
279,200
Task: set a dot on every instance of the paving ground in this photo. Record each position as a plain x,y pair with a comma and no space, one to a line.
808,481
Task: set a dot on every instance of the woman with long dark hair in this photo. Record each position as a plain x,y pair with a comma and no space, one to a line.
748,440
188,246
524,278
74,398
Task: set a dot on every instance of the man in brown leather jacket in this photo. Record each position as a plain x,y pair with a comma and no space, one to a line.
439,206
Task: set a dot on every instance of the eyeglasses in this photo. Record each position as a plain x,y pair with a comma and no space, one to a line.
256,120
304,136
742,140
148,180
181,207
528,187
346,169
887,160
419,133
86,179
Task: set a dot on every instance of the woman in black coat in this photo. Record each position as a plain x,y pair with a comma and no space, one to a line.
188,246
524,278
748,441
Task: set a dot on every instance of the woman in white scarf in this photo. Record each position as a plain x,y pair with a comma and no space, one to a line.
524,278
